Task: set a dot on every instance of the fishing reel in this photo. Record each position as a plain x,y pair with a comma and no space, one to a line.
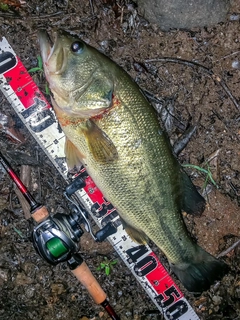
57,238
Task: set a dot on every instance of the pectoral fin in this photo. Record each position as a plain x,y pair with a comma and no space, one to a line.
135,234
73,155
101,147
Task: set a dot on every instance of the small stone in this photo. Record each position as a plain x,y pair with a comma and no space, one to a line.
3,274
236,64
29,292
200,301
234,17
217,300
120,293
57,288
22,279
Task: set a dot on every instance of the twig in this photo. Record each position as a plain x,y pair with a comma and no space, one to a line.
35,17
226,89
234,188
153,97
228,55
161,101
225,252
50,15
91,6
9,15
192,64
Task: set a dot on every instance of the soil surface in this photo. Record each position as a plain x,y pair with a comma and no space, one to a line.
185,95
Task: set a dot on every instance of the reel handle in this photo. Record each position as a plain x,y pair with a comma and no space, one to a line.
40,214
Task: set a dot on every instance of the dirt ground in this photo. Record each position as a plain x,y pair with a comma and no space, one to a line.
29,287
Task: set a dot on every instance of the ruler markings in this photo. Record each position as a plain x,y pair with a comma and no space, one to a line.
35,112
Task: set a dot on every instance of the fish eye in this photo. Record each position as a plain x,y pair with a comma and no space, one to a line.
77,47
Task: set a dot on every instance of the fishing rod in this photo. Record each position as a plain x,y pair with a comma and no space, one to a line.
56,237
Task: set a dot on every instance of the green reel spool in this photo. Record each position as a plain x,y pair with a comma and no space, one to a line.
56,247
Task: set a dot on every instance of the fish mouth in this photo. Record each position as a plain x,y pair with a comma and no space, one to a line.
53,52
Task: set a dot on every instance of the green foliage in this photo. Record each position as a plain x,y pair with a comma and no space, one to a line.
207,172
4,6
18,232
39,68
107,265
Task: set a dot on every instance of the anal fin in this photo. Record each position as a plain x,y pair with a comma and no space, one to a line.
192,202
135,234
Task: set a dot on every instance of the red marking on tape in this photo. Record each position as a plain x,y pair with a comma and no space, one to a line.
93,192
160,279
148,266
23,85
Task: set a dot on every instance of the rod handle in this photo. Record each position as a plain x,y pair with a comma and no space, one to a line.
40,214
85,276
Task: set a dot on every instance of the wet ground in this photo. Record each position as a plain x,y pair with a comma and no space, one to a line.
208,97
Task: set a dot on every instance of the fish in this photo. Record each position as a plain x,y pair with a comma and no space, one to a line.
113,130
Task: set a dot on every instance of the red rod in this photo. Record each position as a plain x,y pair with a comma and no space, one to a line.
34,205
110,310
32,202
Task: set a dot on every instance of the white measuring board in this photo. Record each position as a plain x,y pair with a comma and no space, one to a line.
38,116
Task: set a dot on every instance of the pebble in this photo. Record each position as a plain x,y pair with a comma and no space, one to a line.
234,17
236,64
217,300
120,293
3,274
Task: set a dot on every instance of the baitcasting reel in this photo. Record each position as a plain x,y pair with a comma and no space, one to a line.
56,239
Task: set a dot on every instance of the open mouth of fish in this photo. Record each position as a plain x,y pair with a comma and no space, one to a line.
53,53
55,50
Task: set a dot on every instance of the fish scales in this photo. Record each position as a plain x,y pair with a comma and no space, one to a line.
142,169
117,136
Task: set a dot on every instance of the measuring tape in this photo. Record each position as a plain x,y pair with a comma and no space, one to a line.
36,113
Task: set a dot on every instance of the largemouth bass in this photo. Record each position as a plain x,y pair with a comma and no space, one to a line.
114,132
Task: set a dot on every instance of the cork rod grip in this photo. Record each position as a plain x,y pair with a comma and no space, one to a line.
40,214
85,276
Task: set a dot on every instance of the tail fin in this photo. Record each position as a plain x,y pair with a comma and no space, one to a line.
199,275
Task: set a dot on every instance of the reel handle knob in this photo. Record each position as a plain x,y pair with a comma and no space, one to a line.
106,231
76,184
